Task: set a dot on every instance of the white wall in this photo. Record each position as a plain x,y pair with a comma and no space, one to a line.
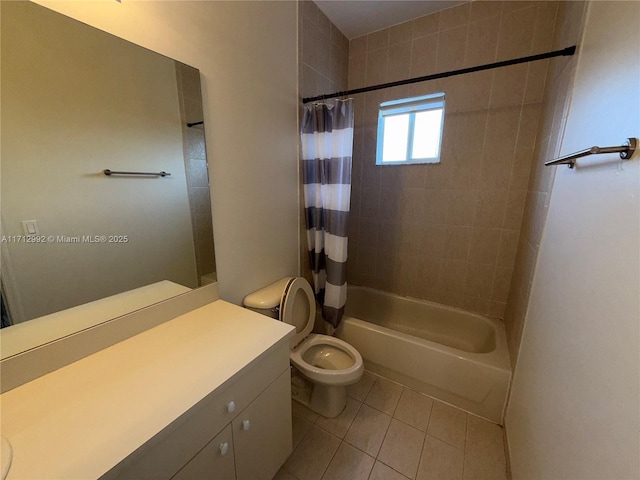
247,56
573,411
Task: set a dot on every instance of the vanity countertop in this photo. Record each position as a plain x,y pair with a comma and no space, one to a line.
83,419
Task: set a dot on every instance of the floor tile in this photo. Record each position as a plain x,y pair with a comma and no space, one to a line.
382,472
284,475
448,423
349,463
402,447
360,390
483,469
311,458
440,461
484,439
339,425
384,395
299,410
420,438
300,429
414,408
368,430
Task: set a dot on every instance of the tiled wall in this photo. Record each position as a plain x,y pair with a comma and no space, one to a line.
323,60
549,138
449,232
195,157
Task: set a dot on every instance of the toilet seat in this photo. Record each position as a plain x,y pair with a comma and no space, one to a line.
298,308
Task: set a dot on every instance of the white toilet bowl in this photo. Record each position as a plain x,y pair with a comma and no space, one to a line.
324,365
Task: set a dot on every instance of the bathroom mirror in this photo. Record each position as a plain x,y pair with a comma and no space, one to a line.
77,101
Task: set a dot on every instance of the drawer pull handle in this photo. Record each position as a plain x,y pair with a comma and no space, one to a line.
224,448
246,425
231,406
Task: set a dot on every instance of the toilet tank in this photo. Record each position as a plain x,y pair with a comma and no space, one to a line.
267,300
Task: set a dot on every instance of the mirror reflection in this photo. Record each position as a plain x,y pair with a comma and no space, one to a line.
77,101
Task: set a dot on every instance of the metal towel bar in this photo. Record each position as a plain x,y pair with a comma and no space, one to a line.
626,152
108,173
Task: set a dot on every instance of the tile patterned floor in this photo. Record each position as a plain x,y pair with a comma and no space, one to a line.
389,432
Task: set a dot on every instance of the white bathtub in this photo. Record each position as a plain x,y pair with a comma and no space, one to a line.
456,356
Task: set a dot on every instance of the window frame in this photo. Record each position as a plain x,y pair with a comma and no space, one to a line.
410,106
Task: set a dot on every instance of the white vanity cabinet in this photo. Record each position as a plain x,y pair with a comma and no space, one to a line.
258,446
204,396
240,431
215,460
262,432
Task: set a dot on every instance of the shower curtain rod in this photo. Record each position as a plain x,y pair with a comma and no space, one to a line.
505,63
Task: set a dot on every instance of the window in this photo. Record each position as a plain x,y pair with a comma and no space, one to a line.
410,130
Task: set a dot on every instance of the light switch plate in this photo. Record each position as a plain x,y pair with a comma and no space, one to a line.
30,227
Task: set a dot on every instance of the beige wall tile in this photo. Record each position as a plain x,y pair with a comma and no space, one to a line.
377,40
461,205
497,309
501,284
482,43
426,25
482,9
424,55
509,86
528,128
451,47
479,282
490,208
516,33
516,201
451,277
470,130
454,17
464,171
376,70
457,242
358,46
490,141
485,243
536,81
433,240
399,62
502,128
401,33
508,248
475,91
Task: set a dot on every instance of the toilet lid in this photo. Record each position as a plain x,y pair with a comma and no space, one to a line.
298,308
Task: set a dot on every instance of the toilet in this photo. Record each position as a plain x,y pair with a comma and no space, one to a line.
323,366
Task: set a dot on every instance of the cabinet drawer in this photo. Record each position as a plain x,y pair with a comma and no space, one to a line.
165,454
213,462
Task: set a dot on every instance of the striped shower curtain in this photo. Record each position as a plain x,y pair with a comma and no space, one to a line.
327,145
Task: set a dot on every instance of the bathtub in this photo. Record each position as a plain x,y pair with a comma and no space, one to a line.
455,356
